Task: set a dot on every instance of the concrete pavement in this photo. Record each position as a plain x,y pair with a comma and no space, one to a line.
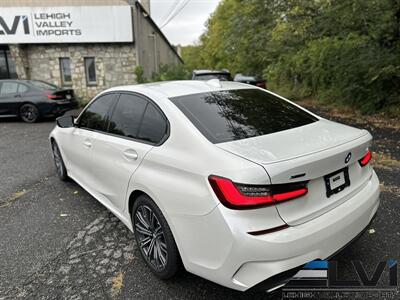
58,242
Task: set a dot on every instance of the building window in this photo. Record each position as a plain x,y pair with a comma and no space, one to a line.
7,65
90,69
65,69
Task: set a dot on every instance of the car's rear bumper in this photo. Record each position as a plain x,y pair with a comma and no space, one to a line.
240,261
281,279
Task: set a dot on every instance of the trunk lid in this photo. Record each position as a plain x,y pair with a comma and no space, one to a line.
62,94
309,153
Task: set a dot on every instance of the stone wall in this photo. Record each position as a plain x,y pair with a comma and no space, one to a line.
18,55
115,65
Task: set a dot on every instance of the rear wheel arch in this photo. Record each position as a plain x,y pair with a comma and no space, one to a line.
26,102
139,192
133,197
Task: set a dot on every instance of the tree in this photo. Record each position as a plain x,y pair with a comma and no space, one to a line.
340,51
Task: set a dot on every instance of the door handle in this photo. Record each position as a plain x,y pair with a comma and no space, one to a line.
131,154
87,144
17,96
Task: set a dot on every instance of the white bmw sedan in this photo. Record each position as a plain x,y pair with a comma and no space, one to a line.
235,183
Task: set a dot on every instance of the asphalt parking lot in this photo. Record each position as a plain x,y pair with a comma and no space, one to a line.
59,242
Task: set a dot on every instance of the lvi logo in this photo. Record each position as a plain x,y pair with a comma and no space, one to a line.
7,29
324,273
320,279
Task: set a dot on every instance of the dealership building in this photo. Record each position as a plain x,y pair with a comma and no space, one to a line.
88,45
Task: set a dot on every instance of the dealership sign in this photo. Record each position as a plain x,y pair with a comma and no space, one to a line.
72,24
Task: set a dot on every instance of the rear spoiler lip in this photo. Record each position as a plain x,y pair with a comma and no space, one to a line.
362,135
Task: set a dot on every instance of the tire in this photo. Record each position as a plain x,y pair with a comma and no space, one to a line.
59,162
151,228
29,113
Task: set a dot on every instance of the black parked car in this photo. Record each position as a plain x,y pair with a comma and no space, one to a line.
253,80
32,99
211,74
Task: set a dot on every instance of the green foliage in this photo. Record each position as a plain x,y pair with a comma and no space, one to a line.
139,74
346,52
192,58
171,72
165,72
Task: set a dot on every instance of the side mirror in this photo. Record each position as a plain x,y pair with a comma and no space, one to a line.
65,122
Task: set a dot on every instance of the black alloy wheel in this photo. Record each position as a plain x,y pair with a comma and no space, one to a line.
154,238
29,113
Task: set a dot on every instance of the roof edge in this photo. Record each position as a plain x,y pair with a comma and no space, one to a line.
147,16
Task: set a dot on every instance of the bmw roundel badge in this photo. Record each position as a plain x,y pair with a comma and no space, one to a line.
348,157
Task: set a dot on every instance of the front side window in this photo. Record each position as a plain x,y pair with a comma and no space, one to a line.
238,114
65,69
95,116
127,116
153,127
90,70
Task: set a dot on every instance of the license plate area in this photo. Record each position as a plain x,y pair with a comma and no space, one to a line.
337,181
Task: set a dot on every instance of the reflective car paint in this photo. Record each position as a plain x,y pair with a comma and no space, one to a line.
10,103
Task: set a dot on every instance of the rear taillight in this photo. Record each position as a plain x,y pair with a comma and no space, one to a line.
241,196
365,159
52,96
261,84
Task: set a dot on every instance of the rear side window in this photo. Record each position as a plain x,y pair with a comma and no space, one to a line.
22,88
127,116
238,114
154,125
95,116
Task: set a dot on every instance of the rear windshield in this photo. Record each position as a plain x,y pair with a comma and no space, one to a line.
238,114
223,77
245,78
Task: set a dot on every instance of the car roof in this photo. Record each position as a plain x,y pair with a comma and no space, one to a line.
20,80
204,72
183,87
